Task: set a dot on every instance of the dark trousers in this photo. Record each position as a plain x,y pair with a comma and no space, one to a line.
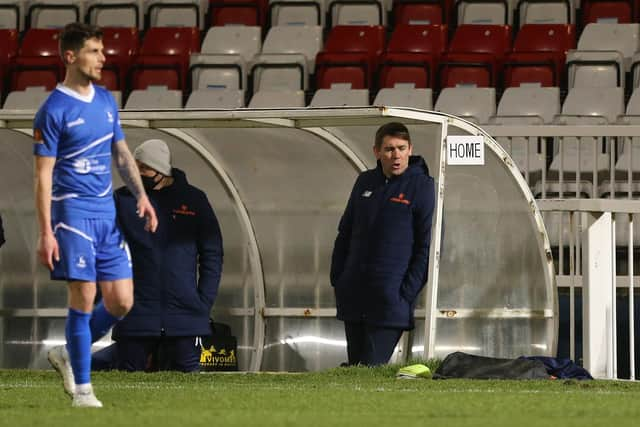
149,354
370,345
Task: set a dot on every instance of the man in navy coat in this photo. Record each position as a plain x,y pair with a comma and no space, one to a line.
381,254
176,271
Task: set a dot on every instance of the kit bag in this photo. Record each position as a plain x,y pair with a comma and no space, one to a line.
218,352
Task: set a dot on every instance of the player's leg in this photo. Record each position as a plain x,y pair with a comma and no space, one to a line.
77,267
78,332
113,269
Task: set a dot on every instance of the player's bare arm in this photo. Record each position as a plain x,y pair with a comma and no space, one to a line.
131,176
47,243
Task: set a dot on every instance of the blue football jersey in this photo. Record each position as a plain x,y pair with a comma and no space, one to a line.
79,132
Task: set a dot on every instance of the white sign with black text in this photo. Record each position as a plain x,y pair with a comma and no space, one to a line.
465,150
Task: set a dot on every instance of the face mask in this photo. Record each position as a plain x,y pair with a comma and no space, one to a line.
148,182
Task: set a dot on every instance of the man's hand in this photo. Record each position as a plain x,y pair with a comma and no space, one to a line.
48,250
145,209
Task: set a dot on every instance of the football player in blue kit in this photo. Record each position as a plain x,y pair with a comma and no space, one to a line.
77,133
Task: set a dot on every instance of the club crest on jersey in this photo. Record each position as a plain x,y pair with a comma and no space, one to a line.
110,116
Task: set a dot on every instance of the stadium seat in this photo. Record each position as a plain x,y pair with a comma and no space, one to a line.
624,38
235,40
215,98
38,61
584,162
208,71
154,98
174,13
305,40
116,13
9,43
238,12
545,12
609,11
476,55
278,72
29,99
224,56
421,12
476,105
53,13
484,12
277,99
120,47
539,55
288,55
355,12
340,96
403,96
595,69
164,57
351,54
412,55
296,13
527,105
11,15
526,101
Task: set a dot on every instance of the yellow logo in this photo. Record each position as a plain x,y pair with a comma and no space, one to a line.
217,358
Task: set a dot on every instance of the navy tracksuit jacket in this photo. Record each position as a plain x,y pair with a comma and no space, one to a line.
177,269
381,254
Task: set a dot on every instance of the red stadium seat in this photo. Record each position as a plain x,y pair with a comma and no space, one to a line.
8,52
539,54
475,56
620,11
412,55
120,47
38,61
164,57
238,12
421,12
350,55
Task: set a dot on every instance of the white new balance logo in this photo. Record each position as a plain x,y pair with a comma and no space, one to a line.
81,262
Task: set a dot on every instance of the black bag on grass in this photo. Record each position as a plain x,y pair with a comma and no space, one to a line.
218,352
463,365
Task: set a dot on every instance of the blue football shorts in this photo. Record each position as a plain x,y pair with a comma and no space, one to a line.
91,250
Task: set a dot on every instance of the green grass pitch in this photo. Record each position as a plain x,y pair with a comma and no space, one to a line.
338,397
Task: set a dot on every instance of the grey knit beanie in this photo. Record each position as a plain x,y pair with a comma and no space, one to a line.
155,154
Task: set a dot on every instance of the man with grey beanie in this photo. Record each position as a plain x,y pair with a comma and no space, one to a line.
176,271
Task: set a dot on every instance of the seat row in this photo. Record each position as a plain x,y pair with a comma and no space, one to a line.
234,57
141,14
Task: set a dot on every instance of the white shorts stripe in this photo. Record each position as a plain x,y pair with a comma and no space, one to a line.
71,229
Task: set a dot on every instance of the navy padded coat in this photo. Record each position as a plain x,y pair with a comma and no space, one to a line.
381,254
177,269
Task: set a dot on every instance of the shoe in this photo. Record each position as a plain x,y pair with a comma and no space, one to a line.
85,399
59,359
